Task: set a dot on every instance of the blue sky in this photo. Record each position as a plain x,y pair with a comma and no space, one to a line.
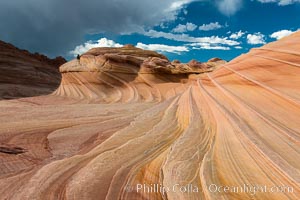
249,25
180,29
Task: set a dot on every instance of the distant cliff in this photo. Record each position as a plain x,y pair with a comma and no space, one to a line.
24,74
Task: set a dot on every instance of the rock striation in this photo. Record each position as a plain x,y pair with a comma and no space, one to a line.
24,74
126,73
128,124
129,59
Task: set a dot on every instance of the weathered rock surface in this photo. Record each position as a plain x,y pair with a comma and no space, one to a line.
125,59
24,74
130,59
109,127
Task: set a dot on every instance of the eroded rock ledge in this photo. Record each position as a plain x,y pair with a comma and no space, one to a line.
129,59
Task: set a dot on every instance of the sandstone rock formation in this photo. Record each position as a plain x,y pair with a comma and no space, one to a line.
130,59
24,74
124,74
111,127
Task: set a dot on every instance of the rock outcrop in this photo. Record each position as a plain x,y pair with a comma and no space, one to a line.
158,65
126,74
130,59
112,131
24,74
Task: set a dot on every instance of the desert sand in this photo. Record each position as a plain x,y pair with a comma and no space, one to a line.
121,117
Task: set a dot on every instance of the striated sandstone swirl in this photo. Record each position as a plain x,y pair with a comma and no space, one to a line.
123,117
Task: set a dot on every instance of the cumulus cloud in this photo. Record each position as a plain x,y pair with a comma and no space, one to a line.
210,26
256,38
163,48
237,35
181,28
280,2
55,26
229,7
280,34
103,42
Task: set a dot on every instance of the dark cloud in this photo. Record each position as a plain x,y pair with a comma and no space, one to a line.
54,27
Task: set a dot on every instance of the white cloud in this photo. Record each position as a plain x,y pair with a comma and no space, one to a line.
162,48
280,34
238,47
182,28
185,11
191,26
103,42
280,2
237,35
210,26
186,38
213,48
178,4
216,48
229,7
164,25
208,46
256,38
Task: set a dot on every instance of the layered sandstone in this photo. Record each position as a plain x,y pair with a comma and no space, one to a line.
110,127
126,74
24,74
129,59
